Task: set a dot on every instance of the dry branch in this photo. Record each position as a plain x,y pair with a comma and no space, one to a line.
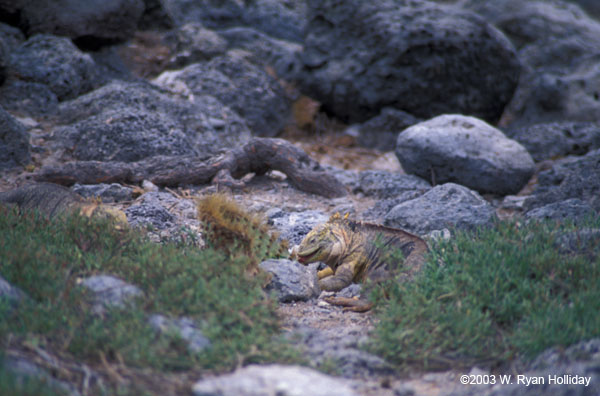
257,156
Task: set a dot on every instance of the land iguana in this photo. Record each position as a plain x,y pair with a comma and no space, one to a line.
53,199
356,251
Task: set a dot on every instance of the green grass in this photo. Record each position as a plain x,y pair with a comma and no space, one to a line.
47,258
11,385
491,296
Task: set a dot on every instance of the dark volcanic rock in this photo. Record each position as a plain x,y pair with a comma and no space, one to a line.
445,206
27,98
558,46
383,184
10,37
577,177
131,121
381,132
90,19
557,139
108,193
465,150
192,43
126,135
277,18
572,209
283,56
240,84
57,63
14,142
420,57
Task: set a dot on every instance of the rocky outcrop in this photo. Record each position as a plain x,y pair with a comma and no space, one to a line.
132,121
445,206
240,84
14,142
281,19
99,20
55,62
557,139
417,56
556,43
465,150
574,177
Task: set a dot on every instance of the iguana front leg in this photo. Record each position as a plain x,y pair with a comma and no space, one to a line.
343,277
325,272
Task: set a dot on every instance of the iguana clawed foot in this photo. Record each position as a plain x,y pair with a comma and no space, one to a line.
350,304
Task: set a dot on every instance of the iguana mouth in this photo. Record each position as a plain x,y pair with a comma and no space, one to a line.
306,255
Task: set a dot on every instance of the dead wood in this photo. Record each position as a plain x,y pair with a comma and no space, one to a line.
258,156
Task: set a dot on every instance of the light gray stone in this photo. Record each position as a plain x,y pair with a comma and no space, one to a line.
273,380
110,292
291,281
185,327
12,293
465,150
445,206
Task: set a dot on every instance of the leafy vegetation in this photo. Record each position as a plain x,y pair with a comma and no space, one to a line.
490,296
48,258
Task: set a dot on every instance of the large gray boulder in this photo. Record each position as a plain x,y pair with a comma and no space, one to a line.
270,380
417,56
445,206
465,150
14,142
281,19
240,84
125,135
56,63
558,45
90,19
131,121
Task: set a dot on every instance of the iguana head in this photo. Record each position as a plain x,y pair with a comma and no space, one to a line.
323,243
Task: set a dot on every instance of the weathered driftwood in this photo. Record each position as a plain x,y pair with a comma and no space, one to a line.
258,156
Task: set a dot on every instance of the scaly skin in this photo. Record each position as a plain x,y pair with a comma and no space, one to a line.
355,251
